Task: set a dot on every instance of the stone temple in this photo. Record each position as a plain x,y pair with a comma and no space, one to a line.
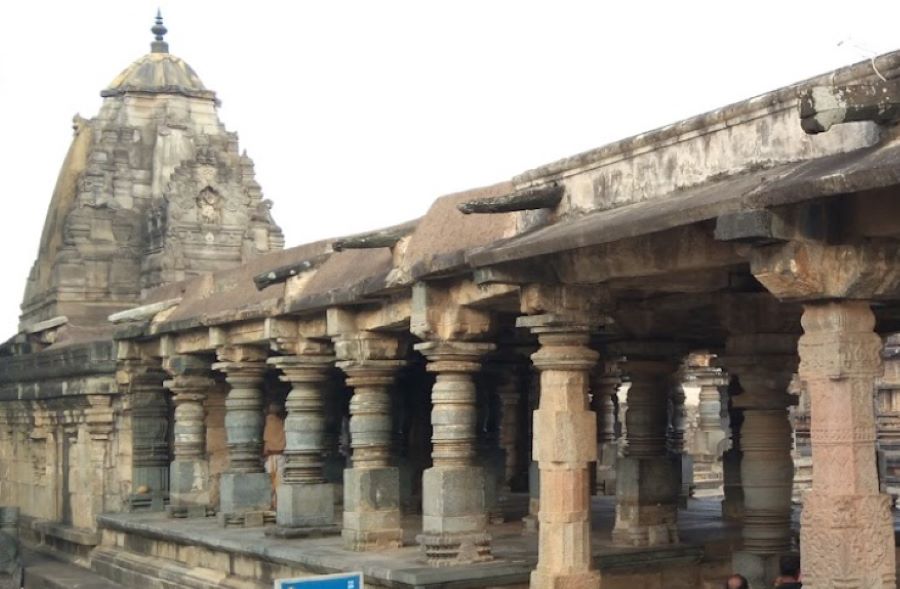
651,364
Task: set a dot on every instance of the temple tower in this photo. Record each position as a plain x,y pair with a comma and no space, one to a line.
153,190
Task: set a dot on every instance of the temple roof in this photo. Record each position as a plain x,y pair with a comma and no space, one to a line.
159,72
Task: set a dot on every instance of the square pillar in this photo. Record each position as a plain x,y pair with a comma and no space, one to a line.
454,514
564,445
846,533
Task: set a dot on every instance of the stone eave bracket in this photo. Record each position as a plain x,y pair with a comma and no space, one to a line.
387,237
526,199
822,107
283,273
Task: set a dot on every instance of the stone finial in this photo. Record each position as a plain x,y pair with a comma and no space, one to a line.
159,30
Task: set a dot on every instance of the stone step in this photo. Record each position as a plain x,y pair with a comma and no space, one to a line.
44,572
147,572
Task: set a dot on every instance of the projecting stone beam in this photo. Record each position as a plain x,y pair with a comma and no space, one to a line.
281,274
528,199
143,312
822,107
387,237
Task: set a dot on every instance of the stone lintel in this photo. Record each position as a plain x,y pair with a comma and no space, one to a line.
807,271
667,354
390,315
187,365
366,347
755,227
514,273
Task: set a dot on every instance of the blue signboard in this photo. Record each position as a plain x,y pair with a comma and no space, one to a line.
338,581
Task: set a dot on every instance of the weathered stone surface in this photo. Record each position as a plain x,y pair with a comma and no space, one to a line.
846,532
454,489
565,362
153,190
310,505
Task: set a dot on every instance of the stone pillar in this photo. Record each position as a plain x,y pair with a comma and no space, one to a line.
245,490
648,481
305,500
371,485
454,518
141,383
565,434
675,442
802,453
189,492
604,388
846,535
707,445
530,521
887,411
764,364
509,391
99,418
732,488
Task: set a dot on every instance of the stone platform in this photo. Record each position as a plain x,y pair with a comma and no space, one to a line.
151,550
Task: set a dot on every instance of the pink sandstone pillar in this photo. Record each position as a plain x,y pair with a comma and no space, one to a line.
847,536
565,434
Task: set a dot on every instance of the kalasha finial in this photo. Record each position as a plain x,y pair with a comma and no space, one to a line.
158,30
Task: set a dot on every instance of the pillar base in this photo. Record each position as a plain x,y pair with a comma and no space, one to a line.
454,522
372,509
848,538
646,502
454,549
761,570
541,579
606,468
305,506
189,511
189,489
241,493
686,464
278,531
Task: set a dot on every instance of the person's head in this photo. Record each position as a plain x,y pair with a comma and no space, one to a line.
737,582
789,565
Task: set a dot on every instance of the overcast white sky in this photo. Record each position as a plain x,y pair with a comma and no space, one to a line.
358,114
